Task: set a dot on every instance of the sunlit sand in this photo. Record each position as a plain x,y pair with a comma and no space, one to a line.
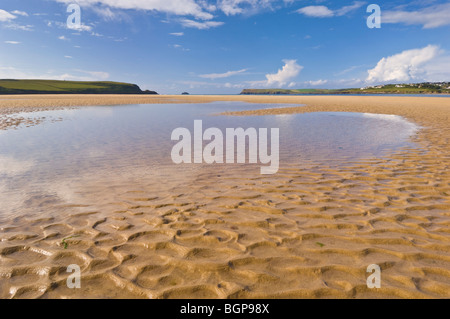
147,228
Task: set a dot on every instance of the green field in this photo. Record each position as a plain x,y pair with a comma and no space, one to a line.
418,88
68,87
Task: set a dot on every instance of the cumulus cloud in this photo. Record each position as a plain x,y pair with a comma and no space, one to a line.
316,11
430,17
325,12
404,66
286,74
214,76
5,16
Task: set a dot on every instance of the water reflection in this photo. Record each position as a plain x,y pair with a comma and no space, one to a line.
101,147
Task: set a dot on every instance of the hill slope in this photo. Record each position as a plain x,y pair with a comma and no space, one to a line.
416,88
68,87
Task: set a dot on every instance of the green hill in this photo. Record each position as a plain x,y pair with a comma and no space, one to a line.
68,87
411,88
287,91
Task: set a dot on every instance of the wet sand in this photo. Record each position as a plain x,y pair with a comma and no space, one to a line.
306,232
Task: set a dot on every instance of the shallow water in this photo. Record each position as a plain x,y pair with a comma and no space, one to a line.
95,187
54,161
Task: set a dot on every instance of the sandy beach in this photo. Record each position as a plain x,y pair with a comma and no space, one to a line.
306,232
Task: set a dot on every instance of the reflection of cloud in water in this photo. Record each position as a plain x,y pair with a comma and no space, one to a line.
90,158
285,116
12,198
412,128
285,119
10,166
68,192
67,113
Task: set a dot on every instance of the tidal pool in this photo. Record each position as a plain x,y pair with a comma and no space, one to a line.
56,160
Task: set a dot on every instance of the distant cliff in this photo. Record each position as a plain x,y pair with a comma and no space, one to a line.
68,87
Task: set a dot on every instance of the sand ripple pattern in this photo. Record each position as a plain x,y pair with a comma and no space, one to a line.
303,233
307,232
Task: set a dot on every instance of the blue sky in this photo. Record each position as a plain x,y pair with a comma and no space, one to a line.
224,46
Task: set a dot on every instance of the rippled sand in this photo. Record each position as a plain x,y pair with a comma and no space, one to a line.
307,232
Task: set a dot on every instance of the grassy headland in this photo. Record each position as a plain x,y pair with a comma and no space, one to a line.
415,88
68,87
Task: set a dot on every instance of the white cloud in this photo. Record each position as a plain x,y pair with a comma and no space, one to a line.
15,26
177,34
214,76
6,16
80,28
430,17
234,7
199,9
20,13
180,47
176,7
347,9
11,73
12,42
77,75
63,38
289,71
316,11
89,76
108,14
317,83
96,75
204,25
407,65
68,57
234,85
325,12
